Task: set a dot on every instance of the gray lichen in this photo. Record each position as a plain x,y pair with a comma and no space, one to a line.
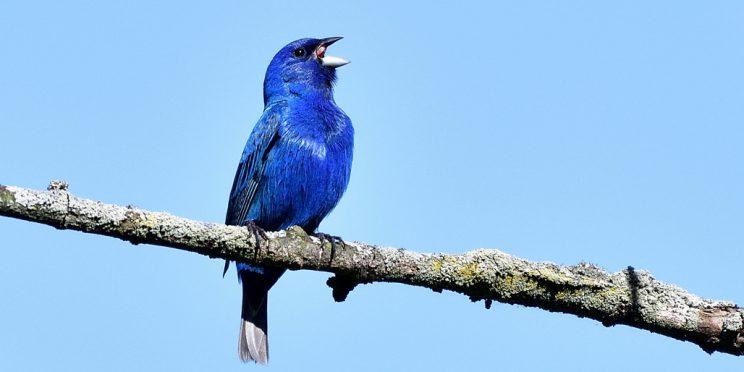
631,297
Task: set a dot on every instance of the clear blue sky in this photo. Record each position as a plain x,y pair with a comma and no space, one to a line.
560,131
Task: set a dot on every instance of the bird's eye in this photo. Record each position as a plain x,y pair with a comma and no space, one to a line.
299,52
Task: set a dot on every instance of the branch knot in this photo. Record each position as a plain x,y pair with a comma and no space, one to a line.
342,285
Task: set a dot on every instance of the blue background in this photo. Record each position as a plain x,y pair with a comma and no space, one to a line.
560,131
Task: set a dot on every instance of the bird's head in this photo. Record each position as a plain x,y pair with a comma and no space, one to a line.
302,68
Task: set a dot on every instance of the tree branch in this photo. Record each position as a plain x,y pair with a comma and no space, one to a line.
629,297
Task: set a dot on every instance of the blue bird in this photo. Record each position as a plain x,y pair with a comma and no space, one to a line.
293,171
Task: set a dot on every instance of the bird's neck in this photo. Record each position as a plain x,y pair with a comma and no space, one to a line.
275,91
302,96
313,115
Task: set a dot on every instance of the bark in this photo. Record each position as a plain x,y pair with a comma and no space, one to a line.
631,297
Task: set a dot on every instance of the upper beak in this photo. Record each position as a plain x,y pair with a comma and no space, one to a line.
326,60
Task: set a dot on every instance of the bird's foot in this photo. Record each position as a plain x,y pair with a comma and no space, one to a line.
334,240
257,232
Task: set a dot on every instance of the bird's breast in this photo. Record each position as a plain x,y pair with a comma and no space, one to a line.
315,148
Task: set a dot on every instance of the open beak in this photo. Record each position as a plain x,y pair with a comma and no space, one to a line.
326,60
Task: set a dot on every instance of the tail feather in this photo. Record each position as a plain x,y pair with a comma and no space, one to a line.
253,344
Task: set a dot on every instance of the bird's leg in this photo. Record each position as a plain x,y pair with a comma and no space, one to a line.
256,231
334,240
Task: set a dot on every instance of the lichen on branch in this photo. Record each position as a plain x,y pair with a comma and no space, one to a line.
630,297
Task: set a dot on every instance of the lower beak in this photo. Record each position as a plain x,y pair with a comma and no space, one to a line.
327,60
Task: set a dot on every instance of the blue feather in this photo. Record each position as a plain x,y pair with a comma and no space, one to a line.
295,166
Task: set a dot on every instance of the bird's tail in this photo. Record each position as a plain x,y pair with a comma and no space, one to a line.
253,344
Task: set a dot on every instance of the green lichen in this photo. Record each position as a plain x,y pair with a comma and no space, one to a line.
469,271
437,265
512,284
591,300
550,276
296,232
6,197
131,222
151,220
570,295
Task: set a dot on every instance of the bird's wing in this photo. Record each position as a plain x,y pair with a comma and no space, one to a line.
252,163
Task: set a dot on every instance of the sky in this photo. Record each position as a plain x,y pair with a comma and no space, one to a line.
605,132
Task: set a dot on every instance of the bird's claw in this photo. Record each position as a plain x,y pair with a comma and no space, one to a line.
257,232
334,240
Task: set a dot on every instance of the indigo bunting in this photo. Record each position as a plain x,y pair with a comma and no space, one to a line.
293,171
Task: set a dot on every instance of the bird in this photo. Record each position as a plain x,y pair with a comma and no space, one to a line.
293,170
